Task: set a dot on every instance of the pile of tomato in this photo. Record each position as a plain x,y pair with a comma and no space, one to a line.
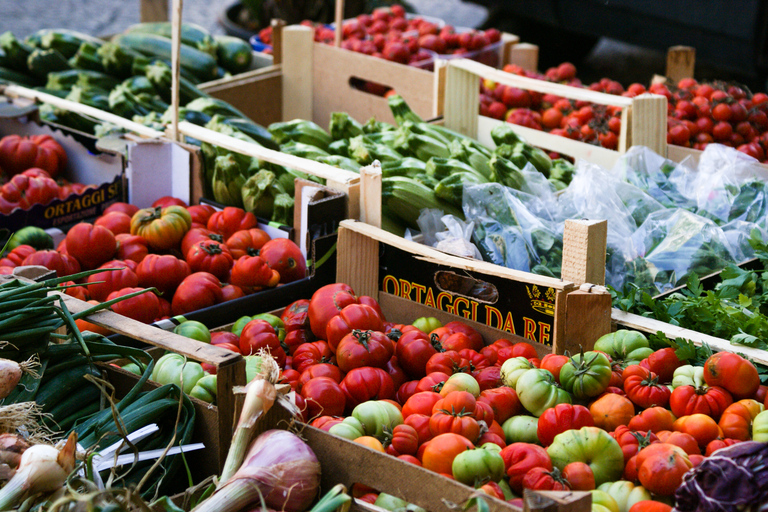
30,172
624,421
698,113
194,257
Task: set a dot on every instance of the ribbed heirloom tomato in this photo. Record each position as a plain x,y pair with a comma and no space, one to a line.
144,307
732,372
212,257
285,256
364,348
326,303
353,316
367,383
413,350
253,272
196,291
163,271
259,334
231,219
162,228
90,245
247,242
100,285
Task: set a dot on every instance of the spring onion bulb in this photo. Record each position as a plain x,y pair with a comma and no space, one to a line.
12,446
42,469
260,395
279,468
11,372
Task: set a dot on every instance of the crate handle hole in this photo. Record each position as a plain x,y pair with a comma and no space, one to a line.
366,86
465,286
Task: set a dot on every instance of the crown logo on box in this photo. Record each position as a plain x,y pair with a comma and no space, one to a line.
542,302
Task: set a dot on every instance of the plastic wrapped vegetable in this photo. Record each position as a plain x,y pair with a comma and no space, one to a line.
732,478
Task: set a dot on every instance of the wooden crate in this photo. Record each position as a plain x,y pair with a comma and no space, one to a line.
644,118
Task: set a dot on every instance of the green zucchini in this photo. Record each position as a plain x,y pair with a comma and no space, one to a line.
41,62
253,130
191,34
118,60
87,57
160,75
9,75
233,54
16,52
91,96
199,63
65,80
67,42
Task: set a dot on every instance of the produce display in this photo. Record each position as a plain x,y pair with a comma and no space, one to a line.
194,257
31,170
699,114
626,421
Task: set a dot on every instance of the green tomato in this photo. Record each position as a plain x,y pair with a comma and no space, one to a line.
252,367
205,389
760,427
377,416
193,329
491,446
395,504
586,375
512,369
174,368
625,493
537,391
622,344
689,375
478,466
464,382
427,324
30,235
521,429
350,428
593,446
275,321
133,368
237,327
605,500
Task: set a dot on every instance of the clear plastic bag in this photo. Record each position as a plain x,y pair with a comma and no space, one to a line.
673,243
507,233
447,233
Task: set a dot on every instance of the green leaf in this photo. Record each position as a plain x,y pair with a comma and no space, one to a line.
694,285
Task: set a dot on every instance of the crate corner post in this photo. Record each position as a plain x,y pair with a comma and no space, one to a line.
370,194
681,61
646,124
462,96
296,54
358,258
584,249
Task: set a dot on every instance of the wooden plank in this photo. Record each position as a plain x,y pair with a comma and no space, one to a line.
462,96
16,91
153,10
584,246
357,261
681,61
335,67
587,317
298,43
552,501
258,94
338,20
652,326
433,255
508,41
175,68
277,40
649,123
532,84
525,55
370,194
439,86
590,152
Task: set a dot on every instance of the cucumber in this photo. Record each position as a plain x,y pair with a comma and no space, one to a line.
198,63
66,42
16,52
41,62
191,34
9,75
233,54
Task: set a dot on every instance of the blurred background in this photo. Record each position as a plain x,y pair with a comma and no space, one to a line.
625,40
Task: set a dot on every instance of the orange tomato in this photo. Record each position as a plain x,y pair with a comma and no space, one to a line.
439,452
371,442
703,428
611,410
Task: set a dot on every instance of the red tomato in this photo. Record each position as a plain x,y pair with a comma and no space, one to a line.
326,422
521,349
196,235
352,317
17,255
259,334
663,473
201,213
476,340
100,285
312,353
125,208
144,308
405,441
643,388
432,382
90,245
488,378
519,458
395,372
117,222
449,362
78,292
323,397
165,272
231,219
221,337
197,291
63,264
212,257
406,390
553,363
579,476
413,351
253,272
247,242
732,372
541,479
320,370
712,401
367,383
439,452
326,303
130,247
503,401
166,201
663,363
560,418
364,348
422,402
654,419
631,442
285,256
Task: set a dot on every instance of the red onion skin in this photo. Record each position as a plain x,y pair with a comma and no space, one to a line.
284,467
